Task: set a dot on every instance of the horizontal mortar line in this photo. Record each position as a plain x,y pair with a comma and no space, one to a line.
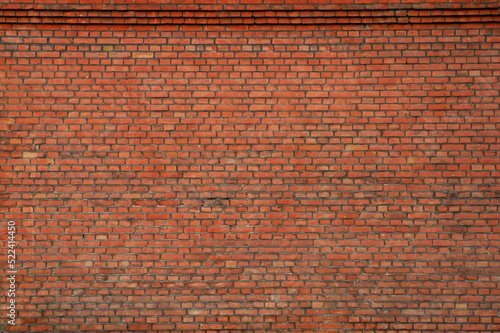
197,7
495,19
492,18
227,14
256,14
288,15
400,7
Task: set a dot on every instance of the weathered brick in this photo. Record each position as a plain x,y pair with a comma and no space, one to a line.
247,166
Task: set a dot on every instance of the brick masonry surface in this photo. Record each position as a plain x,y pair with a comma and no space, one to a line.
244,166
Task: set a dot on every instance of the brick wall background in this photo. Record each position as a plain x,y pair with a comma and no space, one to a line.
250,167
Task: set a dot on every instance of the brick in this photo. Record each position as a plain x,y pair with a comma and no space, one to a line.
142,55
310,147
7,120
356,147
32,154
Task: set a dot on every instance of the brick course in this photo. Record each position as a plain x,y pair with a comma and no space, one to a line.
252,167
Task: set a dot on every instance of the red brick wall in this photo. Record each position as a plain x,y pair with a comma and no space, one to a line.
326,169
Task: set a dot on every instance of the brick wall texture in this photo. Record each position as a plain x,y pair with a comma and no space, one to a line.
249,166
